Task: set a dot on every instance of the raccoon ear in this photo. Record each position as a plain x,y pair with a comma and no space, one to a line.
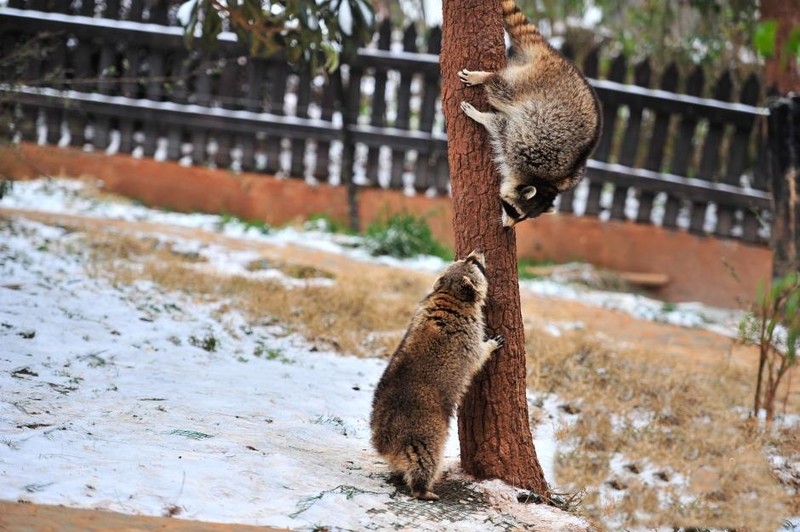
528,192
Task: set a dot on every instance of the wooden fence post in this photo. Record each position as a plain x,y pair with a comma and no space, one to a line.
784,152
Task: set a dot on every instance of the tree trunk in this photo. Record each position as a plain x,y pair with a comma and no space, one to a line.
784,153
782,76
781,70
493,427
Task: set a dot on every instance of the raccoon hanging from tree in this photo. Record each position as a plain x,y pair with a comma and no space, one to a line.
444,347
547,122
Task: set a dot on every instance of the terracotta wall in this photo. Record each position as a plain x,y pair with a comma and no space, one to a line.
716,272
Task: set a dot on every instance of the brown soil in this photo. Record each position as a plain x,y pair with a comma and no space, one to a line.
16,517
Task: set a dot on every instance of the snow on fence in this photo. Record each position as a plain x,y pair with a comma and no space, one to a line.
119,79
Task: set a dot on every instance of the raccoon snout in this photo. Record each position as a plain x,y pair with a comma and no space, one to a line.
508,221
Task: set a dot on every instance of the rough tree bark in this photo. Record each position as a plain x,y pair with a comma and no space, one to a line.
493,427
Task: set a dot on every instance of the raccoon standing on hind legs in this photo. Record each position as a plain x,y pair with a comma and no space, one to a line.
547,122
429,373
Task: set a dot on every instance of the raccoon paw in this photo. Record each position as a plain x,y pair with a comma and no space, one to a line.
425,495
470,78
499,341
471,112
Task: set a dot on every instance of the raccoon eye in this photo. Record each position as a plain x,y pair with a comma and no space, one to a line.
476,262
467,292
543,203
510,210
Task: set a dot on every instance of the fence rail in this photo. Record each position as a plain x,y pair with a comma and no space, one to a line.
117,77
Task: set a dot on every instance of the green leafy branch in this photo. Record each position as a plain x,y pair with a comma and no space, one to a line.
765,40
311,33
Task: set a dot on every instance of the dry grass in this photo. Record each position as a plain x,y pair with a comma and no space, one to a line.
364,312
676,424
785,443
664,425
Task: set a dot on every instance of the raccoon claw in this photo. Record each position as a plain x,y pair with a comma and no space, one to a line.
471,78
499,341
467,107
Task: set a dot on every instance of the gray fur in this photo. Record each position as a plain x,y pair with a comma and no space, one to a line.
546,125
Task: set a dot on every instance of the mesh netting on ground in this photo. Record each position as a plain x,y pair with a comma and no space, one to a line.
458,502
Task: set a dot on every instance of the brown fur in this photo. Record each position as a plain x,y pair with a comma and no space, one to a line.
547,122
429,373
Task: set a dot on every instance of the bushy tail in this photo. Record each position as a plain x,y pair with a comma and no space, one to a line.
422,468
524,35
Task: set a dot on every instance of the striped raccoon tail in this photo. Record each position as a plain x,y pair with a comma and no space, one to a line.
422,470
524,35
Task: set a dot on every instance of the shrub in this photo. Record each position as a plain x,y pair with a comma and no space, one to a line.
403,236
324,223
5,185
774,326
229,220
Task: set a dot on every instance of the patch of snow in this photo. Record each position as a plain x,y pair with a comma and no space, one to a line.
544,435
690,314
557,329
134,399
64,196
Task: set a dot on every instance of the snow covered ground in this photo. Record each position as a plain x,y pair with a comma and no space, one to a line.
134,399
